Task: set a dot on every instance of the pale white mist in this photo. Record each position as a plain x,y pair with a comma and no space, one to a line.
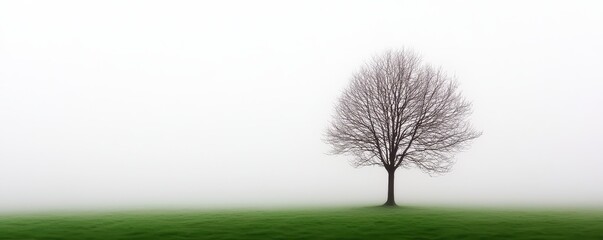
205,104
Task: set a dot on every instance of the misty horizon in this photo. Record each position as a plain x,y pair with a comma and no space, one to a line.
199,105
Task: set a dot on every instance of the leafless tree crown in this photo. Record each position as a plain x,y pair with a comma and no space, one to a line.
399,112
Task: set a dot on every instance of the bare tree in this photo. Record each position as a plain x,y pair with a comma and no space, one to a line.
398,112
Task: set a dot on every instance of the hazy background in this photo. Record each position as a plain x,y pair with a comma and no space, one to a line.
224,104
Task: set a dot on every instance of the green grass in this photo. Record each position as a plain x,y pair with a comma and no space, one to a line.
350,223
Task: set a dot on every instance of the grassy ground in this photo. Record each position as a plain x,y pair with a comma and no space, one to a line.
355,223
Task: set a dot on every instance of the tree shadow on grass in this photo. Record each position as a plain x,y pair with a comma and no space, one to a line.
389,207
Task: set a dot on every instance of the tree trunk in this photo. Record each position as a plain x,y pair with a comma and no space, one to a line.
390,189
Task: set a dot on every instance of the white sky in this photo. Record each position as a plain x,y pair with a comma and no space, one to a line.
176,103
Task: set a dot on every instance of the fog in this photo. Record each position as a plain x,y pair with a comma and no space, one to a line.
128,104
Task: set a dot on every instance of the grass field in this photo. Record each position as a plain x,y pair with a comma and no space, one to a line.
349,223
